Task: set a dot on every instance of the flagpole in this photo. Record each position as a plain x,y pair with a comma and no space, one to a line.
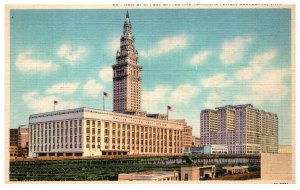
103,102
167,113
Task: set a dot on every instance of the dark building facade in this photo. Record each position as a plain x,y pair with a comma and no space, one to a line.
18,141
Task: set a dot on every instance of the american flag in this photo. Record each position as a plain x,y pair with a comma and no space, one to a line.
105,94
55,102
170,108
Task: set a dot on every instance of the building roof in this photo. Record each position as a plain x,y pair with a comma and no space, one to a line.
235,167
116,114
148,175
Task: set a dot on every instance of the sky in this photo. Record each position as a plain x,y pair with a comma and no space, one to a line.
192,60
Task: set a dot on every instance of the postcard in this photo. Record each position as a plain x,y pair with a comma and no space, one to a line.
150,94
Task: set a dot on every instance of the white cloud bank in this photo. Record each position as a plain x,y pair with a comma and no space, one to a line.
92,88
183,93
155,100
218,80
114,44
166,45
256,65
106,74
270,87
214,99
71,54
38,104
200,57
233,50
26,64
63,88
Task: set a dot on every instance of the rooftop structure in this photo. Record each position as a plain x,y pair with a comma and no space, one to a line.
150,176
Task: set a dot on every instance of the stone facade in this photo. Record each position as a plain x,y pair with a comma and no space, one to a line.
92,132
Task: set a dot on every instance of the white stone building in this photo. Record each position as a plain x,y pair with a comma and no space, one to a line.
92,132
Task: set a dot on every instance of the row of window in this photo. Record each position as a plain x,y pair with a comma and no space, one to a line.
139,148
54,124
66,139
57,132
38,148
133,141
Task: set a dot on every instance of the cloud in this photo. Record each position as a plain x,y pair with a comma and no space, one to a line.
166,45
63,88
219,80
256,65
233,51
183,93
71,54
155,100
92,88
40,104
247,73
114,44
269,87
106,74
200,57
214,99
29,65
264,58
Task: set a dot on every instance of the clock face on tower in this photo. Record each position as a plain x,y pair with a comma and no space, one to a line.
127,74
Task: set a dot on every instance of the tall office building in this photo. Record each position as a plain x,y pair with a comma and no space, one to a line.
127,74
243,128
226,127
208,129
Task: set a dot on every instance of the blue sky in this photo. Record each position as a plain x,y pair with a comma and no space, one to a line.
192,60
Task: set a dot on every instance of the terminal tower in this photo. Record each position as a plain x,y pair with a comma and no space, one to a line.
127,74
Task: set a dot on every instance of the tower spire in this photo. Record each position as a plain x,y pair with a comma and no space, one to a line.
127,14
